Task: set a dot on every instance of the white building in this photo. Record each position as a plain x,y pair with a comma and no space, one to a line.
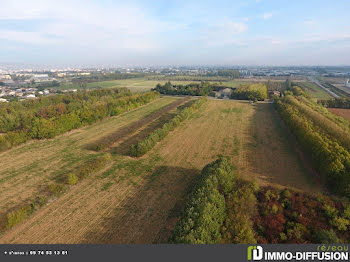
347,83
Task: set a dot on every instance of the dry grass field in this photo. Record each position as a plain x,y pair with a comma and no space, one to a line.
138,200
345,113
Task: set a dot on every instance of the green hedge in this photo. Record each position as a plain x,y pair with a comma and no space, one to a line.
205,212
159,134
329,157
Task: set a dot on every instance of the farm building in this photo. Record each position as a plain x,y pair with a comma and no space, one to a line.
274,93
224,93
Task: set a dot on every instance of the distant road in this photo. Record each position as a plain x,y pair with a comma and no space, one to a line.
315,81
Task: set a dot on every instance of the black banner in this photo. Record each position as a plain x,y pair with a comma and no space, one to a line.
234,253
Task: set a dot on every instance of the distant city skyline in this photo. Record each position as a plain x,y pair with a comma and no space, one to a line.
155,33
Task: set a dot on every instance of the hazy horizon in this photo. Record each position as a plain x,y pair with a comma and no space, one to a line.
154,33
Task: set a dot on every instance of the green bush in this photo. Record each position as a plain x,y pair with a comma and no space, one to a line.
72,179
340,223
326,237
93,165
241,208
286,193
56,188
346,213
331,212
17,216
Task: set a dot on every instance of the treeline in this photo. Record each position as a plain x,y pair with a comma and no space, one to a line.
342,122
97,77
159,134
230,73
326,146
205,211
219,209
326,125
49,116
336,103
193,89
254,92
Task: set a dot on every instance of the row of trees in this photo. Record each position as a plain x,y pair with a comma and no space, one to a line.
329,157
326,125
159,134
205,211
47,117
220,208
342,122
254,92
336,103
98,77
193,89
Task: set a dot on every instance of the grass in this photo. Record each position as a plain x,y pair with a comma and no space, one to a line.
314,91
134,84
145,84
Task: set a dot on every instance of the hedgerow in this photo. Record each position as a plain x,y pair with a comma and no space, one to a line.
329,157
48,117
159,134
205,212
17,216
333,129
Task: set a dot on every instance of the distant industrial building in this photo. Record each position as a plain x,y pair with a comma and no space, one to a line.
347,83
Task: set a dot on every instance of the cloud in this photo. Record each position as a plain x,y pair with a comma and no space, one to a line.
224,33
266,16
84,23
34,38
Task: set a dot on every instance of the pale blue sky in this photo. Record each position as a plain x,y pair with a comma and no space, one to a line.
247,32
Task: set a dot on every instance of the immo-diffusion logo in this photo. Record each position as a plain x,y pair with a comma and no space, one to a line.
332,253
255,253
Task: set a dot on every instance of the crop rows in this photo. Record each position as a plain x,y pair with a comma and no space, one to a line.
159,134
